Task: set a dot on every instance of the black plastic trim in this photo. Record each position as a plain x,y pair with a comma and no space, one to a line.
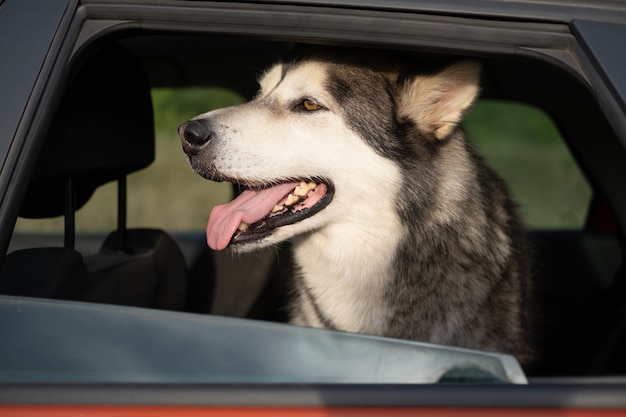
513,10
329,24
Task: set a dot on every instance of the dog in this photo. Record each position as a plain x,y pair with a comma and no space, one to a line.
397,227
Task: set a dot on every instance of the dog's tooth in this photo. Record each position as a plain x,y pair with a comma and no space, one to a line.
301,189
304,187
291,200
277,207
242,226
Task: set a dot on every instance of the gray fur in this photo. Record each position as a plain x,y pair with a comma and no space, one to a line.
460,272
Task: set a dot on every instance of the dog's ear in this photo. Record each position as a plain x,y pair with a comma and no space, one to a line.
436,103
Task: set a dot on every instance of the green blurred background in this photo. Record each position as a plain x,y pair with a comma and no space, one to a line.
518,141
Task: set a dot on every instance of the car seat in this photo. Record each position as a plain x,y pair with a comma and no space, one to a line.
103,131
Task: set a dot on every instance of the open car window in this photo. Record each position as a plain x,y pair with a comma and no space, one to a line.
525,147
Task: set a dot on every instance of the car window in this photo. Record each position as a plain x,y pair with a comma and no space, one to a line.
519,141
524,146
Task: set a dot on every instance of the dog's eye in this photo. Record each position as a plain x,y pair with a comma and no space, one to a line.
310,105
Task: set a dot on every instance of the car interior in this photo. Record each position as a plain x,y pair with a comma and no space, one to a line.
103,130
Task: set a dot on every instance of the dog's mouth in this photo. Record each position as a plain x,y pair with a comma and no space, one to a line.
258,211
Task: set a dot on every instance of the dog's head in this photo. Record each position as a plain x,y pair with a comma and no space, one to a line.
322,139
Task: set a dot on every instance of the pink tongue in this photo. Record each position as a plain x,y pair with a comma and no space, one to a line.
249,207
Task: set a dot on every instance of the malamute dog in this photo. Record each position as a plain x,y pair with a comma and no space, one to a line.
397,227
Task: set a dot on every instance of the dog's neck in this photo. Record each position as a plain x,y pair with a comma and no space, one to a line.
345,266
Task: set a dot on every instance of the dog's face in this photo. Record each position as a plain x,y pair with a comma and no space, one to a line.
310,149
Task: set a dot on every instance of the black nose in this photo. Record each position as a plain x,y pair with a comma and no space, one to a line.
194,134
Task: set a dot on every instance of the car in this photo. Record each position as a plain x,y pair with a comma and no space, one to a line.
110,300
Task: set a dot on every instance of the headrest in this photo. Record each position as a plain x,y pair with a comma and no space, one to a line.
102,131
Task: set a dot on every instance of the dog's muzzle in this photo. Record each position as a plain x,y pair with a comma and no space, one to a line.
194,135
